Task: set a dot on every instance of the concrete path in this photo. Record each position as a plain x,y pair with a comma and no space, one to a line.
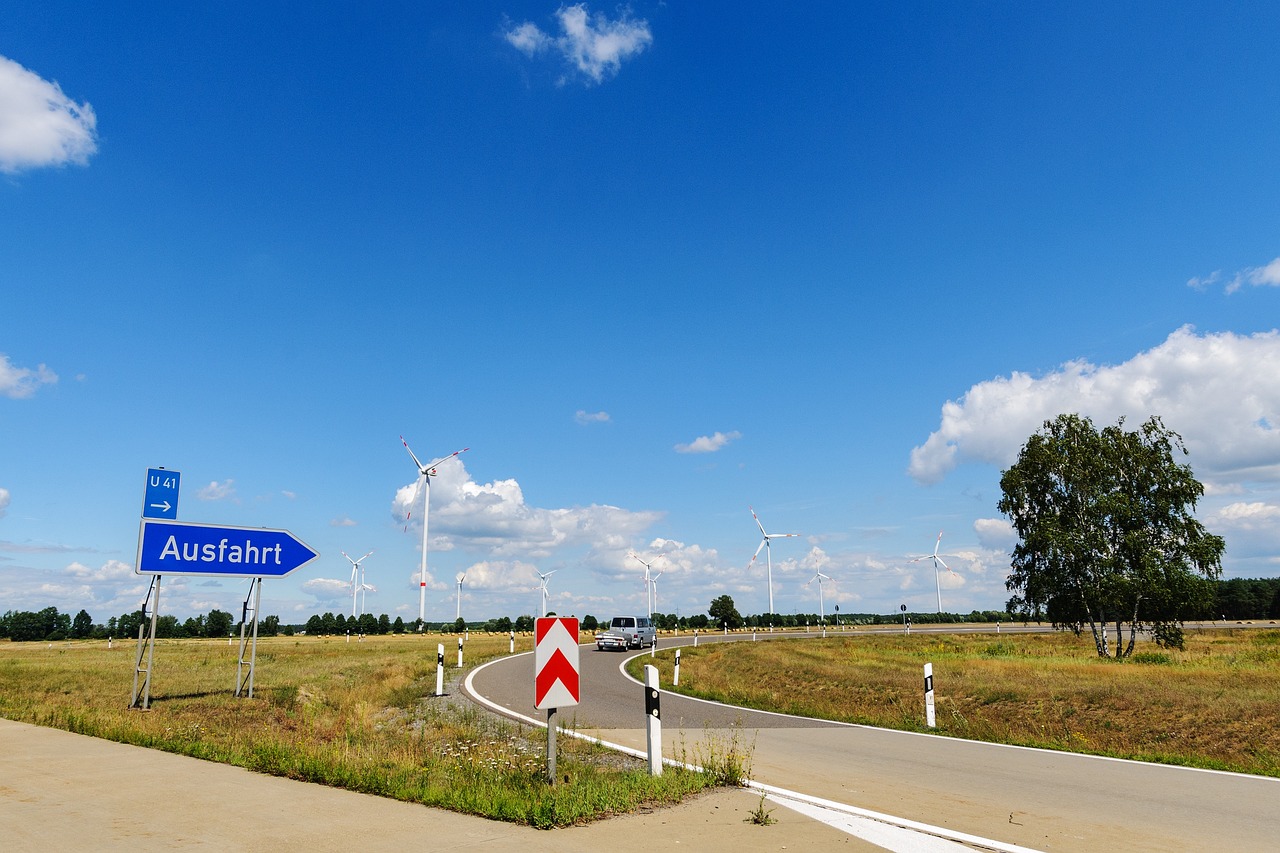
62,791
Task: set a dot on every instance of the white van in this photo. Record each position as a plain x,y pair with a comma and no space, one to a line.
627,632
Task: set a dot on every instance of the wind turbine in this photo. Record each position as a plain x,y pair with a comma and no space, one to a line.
425,473
461,577
543,586
357,579
650,590
768,554
819,577
937,561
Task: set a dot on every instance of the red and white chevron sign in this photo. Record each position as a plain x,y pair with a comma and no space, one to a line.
555,663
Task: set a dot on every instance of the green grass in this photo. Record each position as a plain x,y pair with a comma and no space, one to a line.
1215,705
357,715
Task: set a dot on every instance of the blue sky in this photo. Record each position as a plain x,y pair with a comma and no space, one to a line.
653,264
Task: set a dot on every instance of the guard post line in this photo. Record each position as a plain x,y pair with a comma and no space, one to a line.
653,719
928,696
440,669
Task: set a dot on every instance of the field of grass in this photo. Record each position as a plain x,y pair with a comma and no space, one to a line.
1216,704
359,715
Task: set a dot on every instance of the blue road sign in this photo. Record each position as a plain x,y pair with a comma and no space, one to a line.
160,500
184,548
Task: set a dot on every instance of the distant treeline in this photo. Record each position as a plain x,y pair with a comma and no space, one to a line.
1235,599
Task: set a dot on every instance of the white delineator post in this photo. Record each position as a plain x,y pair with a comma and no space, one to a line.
653,713
459,653
440,669
928,695
675,681
513,642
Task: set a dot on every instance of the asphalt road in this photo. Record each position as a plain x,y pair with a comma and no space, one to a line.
1034,798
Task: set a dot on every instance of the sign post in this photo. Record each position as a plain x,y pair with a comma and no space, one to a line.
556,675
928,695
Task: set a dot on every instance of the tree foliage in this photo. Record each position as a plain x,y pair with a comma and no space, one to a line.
723,613
1106,531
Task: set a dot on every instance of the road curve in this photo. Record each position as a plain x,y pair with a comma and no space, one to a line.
1034,798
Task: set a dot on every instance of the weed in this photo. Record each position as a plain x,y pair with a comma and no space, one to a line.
761,816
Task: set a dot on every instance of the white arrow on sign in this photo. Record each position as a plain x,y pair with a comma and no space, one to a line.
166,506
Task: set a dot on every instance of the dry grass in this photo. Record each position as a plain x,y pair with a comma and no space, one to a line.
1216,704
357,715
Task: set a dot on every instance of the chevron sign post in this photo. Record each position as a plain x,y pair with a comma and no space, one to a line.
555,675
555,656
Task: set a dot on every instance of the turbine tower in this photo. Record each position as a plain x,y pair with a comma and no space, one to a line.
768,554
937,561
357,578
542,585
425,473
819,577
461,577
650,592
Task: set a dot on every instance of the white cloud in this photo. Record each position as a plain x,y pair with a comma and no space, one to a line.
1216,390
1264,276
995,534
327,589
1255,515
4,501
342,522
493,518
709,443
592,44
216,491
39,125
19,382
585,417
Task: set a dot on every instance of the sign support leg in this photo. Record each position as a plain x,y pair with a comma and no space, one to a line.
146,635
551,745
249,636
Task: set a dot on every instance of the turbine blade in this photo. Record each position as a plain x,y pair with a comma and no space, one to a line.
758,524
432,466
757,553
412,455
937,544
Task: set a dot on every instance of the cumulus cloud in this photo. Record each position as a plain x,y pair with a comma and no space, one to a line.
341,522
39,125
19,382
709,443
1246,516
216,491
1217,390
1264,276
585,417
592,45
494,518
995,534
327,589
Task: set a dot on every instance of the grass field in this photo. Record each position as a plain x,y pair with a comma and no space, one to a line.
1216,704
357,715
